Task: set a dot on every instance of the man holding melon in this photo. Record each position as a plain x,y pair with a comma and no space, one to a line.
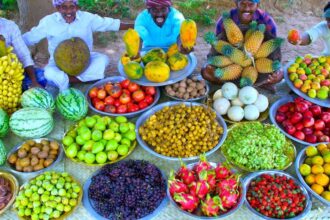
69,32
321,30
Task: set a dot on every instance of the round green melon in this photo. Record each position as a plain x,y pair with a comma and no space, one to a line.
72,104
4,123
39,98
31,122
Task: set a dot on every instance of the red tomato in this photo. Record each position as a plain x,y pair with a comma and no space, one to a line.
124,84
149,99
107,87
117,103
138,95
143,104
132,107
122,109
116,91
93,92
101,94
95,100
132,87
127,91
100,105
124,98
150,90
110,109
109,100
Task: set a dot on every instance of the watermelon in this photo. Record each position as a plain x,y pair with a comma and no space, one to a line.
72,104
39,98
31,122
4,123
3,153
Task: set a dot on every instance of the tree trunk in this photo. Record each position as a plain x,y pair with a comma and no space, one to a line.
31,11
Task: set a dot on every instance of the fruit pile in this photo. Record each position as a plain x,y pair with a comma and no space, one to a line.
212,189
305,121
99,140
123,97
311,75
182,131
5,192
33,156
48,196
130,189
316,169
11,77
243,56
276,196
157,63
239,104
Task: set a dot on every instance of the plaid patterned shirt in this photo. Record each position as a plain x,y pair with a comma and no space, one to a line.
10,31
260,16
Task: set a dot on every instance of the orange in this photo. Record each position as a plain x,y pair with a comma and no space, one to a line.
317,188
322,179
326,195
316,169
317,160
325,151
311,151
326,168
320,147
326,157
305,169
310,179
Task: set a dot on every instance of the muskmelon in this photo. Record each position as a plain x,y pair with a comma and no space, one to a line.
72,56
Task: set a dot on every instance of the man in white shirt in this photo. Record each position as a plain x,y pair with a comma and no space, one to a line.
321,30
66,23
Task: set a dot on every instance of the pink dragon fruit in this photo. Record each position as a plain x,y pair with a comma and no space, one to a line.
209,177
228,184
192,188
229,198
203,164
176,186
211,206
222,172
187,176
188,202
202,189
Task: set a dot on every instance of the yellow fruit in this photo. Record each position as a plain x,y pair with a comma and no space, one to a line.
253,43
157,71
156,54
326,195
269,47
292,69
322,94
3,49
317,160
308,161
311,151
177,61
233,32
173,49
131,39
322,146
265,65
317,188
230,72
188,33
219,61
311,93
305,169
133,70
316,169
125,59
326,168
310,179
252,27
322,179
249,76
236,55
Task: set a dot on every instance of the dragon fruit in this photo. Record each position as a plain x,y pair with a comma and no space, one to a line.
187,176
203,164
192,188
188,202
229,198
211,206
202,189
209,177
175,185
222,172
227,184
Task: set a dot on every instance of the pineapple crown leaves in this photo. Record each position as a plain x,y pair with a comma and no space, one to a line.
253,25
278,41
210,37
218,73
276,65
244,81
227,50
262,28
226,15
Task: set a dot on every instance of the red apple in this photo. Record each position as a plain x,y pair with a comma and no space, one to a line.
316,110
324,138
95,100
307,131
296,117
299,135
325,82
99,105
319,125
93,92
283,108
298,99
116,103
308,121
280,117
318,133
286,122
325,116
124,84
325,72
310,138
290,129
124,98
308,114
101,94
109,100
303,77
122,109
301,107
299,126
326,131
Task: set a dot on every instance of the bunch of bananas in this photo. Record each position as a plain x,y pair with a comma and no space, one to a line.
11,77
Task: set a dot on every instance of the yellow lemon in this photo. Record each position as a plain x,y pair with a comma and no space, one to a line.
311,151
317,160
320,147
310,179
326,168
305,169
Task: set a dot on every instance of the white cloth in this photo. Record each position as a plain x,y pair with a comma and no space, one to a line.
55,29
321,30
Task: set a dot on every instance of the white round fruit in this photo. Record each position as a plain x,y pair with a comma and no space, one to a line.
248,95
262,103
251,112
221,106
235,113
217,94
237,101
229,90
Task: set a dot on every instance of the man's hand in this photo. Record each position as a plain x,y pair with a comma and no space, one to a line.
185,50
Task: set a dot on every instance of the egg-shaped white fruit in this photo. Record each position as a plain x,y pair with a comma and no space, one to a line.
248,95
237,101
235,113
229,90
251,112
262,103
221,106
217,94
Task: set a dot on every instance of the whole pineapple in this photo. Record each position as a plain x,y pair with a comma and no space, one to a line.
252,44
219,61
230,72
236,55
249,76
252,27
210,38
265,65
268,47
233,32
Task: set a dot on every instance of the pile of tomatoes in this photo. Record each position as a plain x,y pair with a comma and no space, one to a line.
122,97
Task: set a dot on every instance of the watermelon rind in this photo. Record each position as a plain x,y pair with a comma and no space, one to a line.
4,123
39,98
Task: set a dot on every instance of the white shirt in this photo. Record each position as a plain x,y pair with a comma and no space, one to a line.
321,30
10,31
55,29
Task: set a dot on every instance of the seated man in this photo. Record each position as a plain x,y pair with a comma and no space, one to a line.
66,23
245,12
10,33
159,25
321,30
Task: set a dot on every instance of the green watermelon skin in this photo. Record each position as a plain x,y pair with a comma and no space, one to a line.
4,123
39,98
3,153
31,122
72,104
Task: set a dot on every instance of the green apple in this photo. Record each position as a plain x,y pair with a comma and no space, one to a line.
86,135
131,126
97,135
67,140
121,119
82,129
125,141
114,126
104,142
100,125
97,147
72,150
89,158
111,145
130,135
80,140
112,155
108,134
81,155
101,157
88,145
90,121
122,150
117,137
123,127
97,117
81,123
72,133
107,120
